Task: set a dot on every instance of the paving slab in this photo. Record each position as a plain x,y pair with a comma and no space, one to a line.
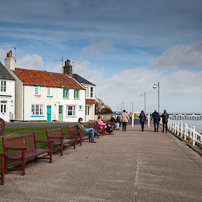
128,166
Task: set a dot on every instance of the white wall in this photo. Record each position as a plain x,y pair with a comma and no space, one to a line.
9,97
72,101
30,99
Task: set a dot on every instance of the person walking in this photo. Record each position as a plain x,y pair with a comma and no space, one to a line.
124,119
142,119
156,119
165,117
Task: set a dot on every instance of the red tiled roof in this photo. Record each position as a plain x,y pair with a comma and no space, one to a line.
44,78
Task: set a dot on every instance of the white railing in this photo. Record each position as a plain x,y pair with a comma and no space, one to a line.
184,130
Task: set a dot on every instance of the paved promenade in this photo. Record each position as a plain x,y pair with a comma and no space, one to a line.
129,166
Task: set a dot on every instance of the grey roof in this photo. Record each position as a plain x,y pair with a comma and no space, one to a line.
82,80
4,73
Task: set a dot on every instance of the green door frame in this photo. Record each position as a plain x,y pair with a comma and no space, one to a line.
60,113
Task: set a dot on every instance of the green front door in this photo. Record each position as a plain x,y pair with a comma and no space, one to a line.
60,113
48,113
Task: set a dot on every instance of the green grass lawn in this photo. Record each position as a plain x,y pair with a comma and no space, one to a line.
40,133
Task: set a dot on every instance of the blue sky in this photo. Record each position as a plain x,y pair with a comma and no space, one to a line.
123,46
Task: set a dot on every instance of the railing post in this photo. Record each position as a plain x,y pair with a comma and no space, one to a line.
148,118
185,131
194,135
133,119
181,129
178,128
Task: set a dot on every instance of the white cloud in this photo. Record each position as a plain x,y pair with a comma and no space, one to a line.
2,55
30,62
179,91
88,71
98,48
180,56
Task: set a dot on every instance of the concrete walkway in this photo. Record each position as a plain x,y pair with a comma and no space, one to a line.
129,166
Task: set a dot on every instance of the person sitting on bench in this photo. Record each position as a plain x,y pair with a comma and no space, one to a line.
90,131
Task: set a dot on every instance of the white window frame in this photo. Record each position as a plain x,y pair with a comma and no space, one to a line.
37,90
71,108
3,107
3,86
87,92
49,92
87,110
37,110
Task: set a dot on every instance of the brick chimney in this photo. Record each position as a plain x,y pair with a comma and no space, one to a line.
9,62
67,69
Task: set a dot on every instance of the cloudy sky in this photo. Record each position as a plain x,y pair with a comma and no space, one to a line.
123,46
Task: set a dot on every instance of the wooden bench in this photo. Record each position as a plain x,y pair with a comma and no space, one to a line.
73,131
2,167
22,148
112,124
96,127
58,138
102,128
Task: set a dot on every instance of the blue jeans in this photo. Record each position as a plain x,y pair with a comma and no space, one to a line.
156,124
92,132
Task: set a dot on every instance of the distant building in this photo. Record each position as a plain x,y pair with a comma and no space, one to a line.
101,107
7,94
89,87
46,96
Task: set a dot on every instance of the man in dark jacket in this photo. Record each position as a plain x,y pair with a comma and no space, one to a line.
156,119
165,117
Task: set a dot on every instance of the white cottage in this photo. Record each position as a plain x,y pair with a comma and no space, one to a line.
47,96
7,94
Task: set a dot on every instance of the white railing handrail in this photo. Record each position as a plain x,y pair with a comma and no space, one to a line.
184,130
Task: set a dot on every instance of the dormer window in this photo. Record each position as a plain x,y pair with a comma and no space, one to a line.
3,86
37,91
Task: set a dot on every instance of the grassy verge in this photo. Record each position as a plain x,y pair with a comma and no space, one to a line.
40,134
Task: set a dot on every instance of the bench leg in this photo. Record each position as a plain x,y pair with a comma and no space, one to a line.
6,166
2,172
35,159
2,177
23,167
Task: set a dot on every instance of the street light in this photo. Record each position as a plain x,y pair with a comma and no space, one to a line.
155,86
132,105
144,100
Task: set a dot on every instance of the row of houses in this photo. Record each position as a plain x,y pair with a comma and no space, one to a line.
32,95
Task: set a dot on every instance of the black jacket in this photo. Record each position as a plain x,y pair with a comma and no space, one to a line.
156,117
165,117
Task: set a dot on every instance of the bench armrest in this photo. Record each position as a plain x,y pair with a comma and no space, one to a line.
15,148
2,154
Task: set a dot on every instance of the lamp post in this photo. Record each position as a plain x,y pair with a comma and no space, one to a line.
155,86
144,100
132,105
